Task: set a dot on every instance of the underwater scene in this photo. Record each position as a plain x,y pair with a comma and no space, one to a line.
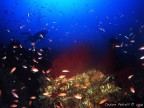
71,53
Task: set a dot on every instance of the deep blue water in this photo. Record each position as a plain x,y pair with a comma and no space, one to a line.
71,21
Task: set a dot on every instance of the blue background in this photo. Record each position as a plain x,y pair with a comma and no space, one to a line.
71,21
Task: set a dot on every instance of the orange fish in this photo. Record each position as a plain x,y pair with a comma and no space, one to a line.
39,53
129,77
117,46
16,101
34,60
62,94
30,102
46,94
34,69
13,106
15,46
40,58
15,95
14,90
71,79
132,90
142,58
141,48
132,41
48,79
103,101
43,72
21,46
84,87
48,71
24,66
4,57
29,79
78,96
12,70
65,71
32,97
62,76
